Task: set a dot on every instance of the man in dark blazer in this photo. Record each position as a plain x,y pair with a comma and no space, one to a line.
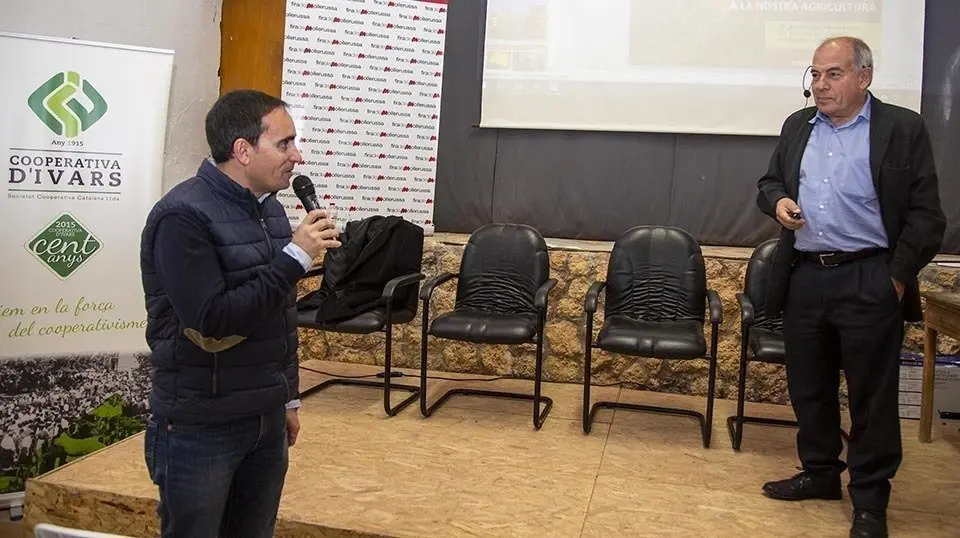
853,183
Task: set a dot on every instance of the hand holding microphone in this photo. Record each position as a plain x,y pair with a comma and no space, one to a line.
317,232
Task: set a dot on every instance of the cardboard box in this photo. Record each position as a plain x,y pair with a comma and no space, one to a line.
946,392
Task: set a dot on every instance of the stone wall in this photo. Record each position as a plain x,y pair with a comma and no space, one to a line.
575,270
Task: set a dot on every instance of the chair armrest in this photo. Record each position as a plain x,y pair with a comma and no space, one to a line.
593,295
746,309
312,272
540,299
427,290
716,307
405,280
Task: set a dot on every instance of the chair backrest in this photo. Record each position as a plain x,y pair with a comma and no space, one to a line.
375,250
501,269
408,297
757,280
656,273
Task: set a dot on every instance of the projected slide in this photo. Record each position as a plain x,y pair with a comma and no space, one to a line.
697,66
749,35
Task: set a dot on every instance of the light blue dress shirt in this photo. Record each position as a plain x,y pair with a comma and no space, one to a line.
301,256
837,197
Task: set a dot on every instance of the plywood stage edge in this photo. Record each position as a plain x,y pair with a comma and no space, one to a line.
478,468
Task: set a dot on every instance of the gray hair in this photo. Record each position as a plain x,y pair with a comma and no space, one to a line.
862,55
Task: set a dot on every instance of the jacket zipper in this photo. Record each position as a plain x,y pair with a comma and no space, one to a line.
216,369
283,315
266,234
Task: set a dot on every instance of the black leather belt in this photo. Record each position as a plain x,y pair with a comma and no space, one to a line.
833,259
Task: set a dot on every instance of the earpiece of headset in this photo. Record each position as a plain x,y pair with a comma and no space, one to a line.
803,82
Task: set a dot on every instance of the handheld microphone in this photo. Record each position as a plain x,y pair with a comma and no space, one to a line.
306,192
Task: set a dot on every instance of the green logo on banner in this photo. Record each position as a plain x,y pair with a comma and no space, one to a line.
64,245
55,103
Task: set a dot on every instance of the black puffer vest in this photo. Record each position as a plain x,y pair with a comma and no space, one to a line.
255,376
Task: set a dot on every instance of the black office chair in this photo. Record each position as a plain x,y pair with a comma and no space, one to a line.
502,290
656,297
397,305
761,337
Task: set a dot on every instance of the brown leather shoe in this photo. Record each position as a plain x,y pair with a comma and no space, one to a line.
804,486
868,524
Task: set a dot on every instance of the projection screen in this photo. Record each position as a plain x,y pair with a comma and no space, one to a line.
687,66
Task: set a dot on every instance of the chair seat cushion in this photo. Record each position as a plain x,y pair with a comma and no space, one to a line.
767,346
366,323
656,339
485,328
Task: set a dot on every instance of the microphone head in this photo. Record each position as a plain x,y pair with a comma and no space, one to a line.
302,186
806,93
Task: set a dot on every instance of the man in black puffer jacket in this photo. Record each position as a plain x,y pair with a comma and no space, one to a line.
219,265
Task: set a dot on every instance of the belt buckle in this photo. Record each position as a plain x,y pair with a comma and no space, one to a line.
824,263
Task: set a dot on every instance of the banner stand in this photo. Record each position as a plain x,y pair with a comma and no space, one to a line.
82,145
14,503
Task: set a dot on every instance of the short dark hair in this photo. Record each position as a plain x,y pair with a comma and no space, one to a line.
237,114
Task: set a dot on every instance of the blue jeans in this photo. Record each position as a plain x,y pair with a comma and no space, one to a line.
218,479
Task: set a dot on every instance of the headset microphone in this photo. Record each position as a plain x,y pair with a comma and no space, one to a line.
803,82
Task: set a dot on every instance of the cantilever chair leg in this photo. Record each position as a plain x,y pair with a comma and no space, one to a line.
735,423
386,385
588,416
590,412
711,386
539,415
387,375
735,427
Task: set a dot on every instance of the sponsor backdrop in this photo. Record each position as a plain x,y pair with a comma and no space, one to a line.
363,79
82,143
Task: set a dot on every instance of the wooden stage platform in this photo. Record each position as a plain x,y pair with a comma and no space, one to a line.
478,468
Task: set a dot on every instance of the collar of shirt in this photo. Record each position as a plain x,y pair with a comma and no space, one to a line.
864,113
